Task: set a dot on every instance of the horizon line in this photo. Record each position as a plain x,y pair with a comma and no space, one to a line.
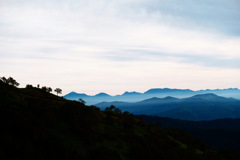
151,89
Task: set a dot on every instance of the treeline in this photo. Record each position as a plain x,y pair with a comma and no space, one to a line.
12,82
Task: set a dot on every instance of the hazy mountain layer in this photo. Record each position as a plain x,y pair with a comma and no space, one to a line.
198,107
160,93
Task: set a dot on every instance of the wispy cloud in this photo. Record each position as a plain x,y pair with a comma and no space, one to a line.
91,41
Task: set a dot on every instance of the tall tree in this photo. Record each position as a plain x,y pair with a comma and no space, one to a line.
58,91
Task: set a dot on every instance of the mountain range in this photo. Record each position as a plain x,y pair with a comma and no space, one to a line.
156,92
39,125
197,108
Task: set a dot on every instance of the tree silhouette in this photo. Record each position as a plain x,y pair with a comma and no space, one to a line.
4,80
81,101
126,113
29,86
107,109
118,110
44,88
113,109
49,89
58,91
10,81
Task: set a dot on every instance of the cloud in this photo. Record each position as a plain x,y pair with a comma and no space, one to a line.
114,43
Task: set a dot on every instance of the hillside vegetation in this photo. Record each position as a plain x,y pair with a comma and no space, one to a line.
38,125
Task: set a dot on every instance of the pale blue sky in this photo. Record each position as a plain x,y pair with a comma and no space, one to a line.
115,46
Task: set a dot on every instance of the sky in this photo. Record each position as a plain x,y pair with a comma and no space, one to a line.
113,46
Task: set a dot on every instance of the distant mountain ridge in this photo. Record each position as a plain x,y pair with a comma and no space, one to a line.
155,92
198,107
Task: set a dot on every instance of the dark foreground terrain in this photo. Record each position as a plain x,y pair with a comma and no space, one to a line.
39,125
219,134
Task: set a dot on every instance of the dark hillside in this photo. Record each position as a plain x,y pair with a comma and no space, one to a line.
220,133
39,125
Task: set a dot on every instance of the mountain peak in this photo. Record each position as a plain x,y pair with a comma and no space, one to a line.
169,98
71,93
207,96
74,95
165,90
131,93
235,89
102,94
